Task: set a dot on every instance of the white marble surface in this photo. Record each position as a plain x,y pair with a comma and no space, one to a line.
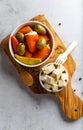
20,109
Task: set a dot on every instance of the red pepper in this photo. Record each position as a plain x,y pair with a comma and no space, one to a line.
15,43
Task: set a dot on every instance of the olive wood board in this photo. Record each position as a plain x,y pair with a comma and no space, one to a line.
71,104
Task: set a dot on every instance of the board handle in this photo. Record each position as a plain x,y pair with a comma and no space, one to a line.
71,104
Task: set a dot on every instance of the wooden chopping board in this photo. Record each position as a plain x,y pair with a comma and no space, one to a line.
71,104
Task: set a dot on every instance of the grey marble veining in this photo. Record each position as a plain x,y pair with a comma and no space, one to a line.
20,109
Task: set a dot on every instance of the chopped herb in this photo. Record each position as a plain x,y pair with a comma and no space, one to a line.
60,87
50,88
42,72
64,71
56,66
50,73
65,80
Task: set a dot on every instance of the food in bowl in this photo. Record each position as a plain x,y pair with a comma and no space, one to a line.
31,44
53,78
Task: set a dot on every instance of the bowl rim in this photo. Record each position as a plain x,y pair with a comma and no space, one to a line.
20,26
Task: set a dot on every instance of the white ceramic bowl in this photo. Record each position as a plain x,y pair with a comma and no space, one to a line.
16,30
49,75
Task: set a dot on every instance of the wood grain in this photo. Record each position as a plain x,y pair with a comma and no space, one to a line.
23,73
71,104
